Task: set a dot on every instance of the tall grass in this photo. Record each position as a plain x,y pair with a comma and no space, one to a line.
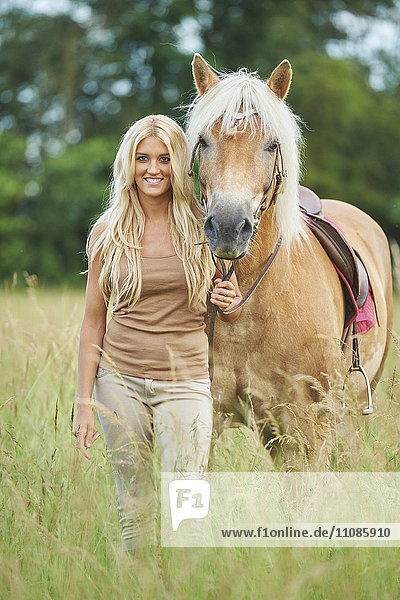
59,529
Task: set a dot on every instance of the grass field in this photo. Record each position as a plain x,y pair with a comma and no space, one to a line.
59,529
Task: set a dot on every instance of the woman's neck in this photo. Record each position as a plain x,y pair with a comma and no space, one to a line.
155,209
156,239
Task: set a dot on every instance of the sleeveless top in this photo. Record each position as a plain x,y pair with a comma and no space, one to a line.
159,337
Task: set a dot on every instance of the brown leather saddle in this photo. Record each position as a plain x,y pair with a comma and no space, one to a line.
353,276
348,264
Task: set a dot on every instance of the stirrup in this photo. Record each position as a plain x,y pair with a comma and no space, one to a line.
356,366
370,409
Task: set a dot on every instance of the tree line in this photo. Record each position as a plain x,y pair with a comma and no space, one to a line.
71,83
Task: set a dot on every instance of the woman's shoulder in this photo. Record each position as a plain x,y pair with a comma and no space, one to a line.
98,228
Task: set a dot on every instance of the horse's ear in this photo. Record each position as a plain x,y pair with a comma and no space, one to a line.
280,79
203,76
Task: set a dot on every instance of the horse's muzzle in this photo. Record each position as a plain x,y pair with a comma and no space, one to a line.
229,235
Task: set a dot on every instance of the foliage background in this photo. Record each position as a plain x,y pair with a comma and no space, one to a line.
74,76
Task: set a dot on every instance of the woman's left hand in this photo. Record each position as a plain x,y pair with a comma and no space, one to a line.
223,294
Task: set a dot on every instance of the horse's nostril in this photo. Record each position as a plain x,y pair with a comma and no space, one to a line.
240,226
209,228
245,230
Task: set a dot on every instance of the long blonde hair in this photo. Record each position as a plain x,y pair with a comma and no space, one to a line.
125,218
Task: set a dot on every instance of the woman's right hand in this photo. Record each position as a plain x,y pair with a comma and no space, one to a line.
83,428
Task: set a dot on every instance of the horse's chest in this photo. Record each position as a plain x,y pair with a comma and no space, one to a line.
247,351
267,346
255,332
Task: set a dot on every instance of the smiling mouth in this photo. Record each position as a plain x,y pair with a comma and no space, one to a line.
152,179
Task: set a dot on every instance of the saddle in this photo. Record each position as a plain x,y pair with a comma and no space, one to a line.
353,276
345,259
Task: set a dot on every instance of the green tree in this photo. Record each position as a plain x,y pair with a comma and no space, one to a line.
73,191
72,83
44,221
15,219
350,137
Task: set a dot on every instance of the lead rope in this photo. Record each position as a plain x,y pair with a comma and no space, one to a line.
226,275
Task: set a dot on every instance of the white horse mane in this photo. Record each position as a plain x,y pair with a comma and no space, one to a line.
244,92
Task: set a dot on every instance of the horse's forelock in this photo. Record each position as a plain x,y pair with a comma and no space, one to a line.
241,91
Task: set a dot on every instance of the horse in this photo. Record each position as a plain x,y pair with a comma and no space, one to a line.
276,365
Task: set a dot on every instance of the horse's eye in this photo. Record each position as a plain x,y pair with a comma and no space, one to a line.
273,146
202,142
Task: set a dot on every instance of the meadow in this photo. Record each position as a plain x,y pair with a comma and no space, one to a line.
59,529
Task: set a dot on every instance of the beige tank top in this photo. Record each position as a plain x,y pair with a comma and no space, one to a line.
159,337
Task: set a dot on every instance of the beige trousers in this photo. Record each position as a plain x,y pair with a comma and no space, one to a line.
144,420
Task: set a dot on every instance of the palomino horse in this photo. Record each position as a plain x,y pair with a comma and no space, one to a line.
279,360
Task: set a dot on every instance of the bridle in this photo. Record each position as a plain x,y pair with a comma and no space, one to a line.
278,175
269,199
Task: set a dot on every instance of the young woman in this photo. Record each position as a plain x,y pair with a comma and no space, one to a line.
149,369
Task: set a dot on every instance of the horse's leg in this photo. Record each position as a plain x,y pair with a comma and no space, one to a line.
225,404
298,434
307,436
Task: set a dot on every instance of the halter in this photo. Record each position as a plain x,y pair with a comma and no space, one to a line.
269,198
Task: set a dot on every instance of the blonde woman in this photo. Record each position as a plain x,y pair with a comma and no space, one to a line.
149,369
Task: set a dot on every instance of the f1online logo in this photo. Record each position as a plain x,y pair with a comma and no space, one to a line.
188,499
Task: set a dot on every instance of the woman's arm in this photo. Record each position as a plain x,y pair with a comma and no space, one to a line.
92,333
226,295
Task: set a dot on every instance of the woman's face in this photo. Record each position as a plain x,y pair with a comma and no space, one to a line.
152,169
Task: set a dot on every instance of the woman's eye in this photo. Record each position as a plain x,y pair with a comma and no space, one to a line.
141,158
165,159
273,146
